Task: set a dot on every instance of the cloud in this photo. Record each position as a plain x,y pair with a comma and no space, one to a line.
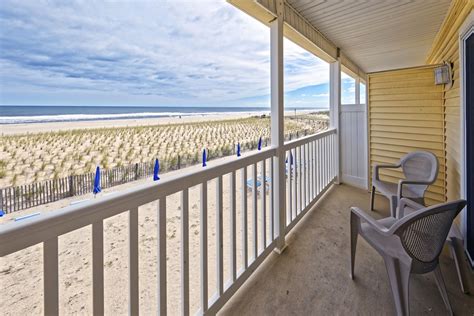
142,52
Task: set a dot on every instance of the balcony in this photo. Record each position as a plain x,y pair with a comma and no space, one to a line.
312,276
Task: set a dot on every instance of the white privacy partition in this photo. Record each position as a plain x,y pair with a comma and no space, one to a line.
308,174
353,127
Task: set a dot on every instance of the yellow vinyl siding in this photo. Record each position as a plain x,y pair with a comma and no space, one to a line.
406,114
446,48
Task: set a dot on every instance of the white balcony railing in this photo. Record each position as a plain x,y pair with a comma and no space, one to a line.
310,170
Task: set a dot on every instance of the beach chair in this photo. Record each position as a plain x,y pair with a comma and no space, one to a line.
250,184
409,245
420,169
454,240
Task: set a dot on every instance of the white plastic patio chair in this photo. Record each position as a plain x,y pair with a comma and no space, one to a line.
454,240
420,169
408,245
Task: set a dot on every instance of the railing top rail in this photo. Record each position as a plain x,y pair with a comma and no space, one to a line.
15,236
303,140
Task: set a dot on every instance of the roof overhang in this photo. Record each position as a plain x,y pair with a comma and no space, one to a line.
367,36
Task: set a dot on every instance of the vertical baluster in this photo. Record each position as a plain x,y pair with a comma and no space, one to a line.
232,217
308,173
323,163
313,184
185,252
328,144
303,176
295,186
335,161
315,168
271,210
204,271
320,174
219,238
162,291
263,207
254,212
244,219
331,167
133,308
326,154
300,182
289,184
310,170
51,280
98,268
328,158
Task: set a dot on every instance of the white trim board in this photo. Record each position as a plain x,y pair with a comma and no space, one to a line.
466,30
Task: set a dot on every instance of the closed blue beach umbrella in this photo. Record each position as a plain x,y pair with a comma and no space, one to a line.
156,169
238,149
291,159
204,157
260,143
97,188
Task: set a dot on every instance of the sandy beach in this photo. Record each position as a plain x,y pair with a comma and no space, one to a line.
32,128
42,151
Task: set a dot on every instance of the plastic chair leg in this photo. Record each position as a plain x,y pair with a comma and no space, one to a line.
355,223
372,196
399,277
442,288
457,254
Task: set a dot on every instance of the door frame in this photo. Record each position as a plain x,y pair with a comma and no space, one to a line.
465,32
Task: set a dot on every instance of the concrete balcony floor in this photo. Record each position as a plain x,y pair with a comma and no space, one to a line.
311,277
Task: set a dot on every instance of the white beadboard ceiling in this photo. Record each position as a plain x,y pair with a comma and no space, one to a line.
377,34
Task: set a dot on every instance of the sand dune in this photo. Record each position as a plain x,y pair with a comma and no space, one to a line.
38,156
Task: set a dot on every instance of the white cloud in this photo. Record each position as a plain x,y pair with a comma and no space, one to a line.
141,52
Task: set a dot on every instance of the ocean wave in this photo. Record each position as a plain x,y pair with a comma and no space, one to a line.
95,117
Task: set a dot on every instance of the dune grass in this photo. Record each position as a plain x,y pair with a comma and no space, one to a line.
35,157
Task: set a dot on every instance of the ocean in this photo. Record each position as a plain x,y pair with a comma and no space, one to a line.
42,114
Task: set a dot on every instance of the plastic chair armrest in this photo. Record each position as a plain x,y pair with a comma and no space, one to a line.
407,202
378,167
370,220
403,182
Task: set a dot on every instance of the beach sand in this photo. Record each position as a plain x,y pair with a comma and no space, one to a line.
32,128
21,273
42,151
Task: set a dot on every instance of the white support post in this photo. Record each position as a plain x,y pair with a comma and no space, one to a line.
277,125
357,90
335,109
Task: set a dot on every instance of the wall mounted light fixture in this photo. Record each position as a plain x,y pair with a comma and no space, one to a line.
444,75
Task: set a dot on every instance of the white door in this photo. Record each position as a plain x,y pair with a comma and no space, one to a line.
353,144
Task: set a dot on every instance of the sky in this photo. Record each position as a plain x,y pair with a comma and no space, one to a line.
167,53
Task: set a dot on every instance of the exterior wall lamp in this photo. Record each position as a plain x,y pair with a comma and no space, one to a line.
444,75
